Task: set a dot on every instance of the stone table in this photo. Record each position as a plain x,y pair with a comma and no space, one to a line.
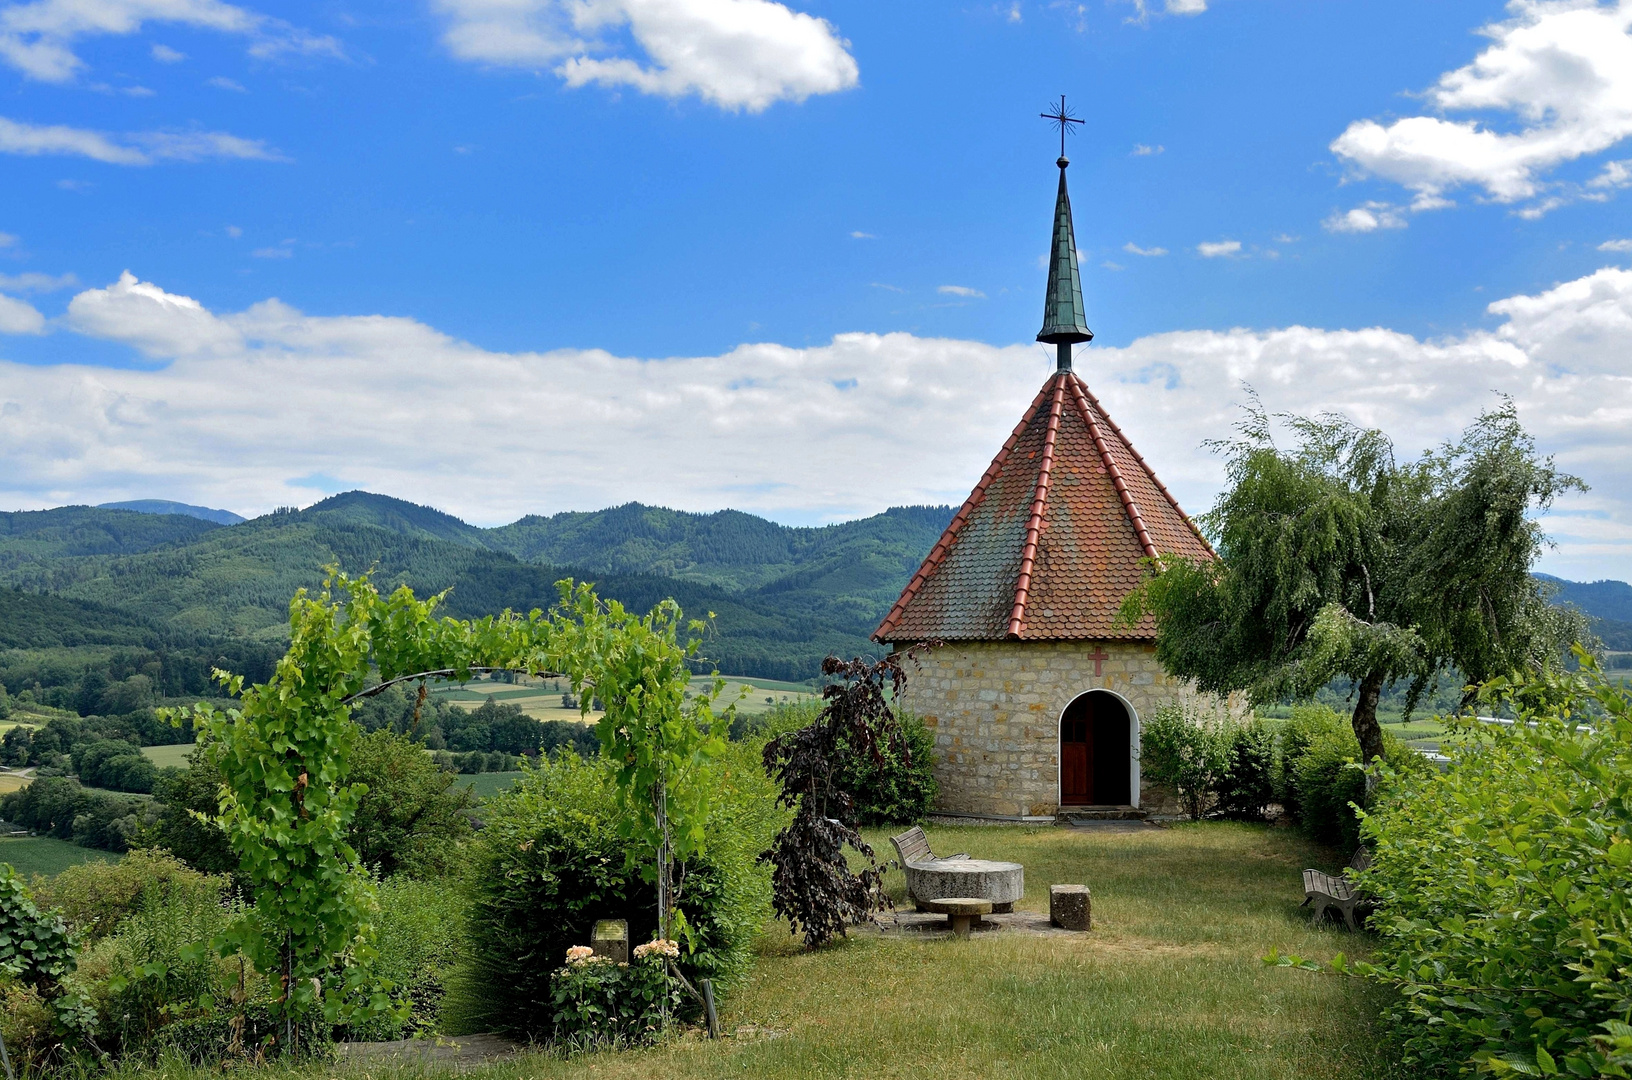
1000,882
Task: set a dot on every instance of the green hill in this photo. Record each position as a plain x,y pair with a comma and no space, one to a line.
35,537
783,597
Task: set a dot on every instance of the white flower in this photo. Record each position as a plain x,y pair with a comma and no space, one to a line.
579,953
661,947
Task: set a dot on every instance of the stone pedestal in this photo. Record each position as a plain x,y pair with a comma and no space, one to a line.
1069,906
611,940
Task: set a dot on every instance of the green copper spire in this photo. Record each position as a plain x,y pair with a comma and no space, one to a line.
1063,319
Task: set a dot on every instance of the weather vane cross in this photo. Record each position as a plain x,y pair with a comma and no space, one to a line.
1062,119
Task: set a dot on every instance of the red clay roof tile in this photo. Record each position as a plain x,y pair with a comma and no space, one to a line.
1051,540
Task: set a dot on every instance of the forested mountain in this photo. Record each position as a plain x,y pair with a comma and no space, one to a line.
1608,602
164,506
783,597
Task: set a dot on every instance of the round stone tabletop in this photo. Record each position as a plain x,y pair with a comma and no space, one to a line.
970,866
999,882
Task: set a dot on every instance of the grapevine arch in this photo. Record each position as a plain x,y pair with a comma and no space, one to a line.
284,755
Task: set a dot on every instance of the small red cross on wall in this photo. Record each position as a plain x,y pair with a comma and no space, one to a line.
1099,656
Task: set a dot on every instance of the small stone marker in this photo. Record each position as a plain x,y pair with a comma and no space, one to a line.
1070,906
611,940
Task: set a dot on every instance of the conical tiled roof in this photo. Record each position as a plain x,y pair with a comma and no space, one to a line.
1049,543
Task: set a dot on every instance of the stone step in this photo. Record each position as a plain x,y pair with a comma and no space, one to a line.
1070,814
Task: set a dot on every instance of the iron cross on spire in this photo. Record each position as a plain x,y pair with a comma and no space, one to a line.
1063,119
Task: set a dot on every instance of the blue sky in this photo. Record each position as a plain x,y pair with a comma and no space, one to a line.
487,220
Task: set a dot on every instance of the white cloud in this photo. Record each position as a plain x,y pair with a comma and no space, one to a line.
1141,150
164,54
271,253
19,317
1212,250
1186,7
1561,68
858,235
1367,218
234,231
244,403
961,290
7,240
1151,252
132,148
36,282
221,82
38,38
1615,245
737,54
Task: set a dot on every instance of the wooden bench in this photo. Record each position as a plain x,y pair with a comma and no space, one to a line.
960,911
1329,891
912,849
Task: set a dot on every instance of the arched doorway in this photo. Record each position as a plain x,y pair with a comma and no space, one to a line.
1099,762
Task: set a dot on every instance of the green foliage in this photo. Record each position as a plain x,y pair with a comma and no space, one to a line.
1307,724
1187,751
412,816
599,1002
653,732
188,801
94,898
35,947
285,804
555,855
158,968
1505,887
59,807
1246,788
1338,561
419,934
114,765
897,787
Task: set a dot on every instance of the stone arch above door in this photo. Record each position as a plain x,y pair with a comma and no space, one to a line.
1098,734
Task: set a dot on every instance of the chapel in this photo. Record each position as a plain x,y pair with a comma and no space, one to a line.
1036,696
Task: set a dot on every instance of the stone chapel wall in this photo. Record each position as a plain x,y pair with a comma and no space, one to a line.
994,710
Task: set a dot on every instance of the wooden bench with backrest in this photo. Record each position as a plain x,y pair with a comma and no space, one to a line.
1337,891
912,849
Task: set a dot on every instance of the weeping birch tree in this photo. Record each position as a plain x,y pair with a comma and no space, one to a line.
1336,560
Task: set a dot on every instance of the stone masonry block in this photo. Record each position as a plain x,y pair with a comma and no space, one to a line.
1070,907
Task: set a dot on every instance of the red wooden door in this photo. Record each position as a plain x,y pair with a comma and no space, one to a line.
1076,762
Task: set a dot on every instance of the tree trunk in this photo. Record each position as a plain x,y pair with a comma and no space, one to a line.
1366,728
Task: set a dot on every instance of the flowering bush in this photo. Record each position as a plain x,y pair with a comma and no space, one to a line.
1187,751
599,1001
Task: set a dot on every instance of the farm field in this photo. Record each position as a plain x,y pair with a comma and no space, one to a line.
10,781
490,783
45,855
542,700
167,756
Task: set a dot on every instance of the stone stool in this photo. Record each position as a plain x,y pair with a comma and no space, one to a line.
1070,907
960,911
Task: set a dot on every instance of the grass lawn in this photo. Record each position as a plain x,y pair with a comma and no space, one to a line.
1167,986
44,855
542,702
164,756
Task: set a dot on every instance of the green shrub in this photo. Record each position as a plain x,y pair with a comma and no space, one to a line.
1306,723
1246,787
1328,779
95,897
598,1002
895,789
413,817
550,862
36,948
418,930
1187,751
180,794
1506,889
158,968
